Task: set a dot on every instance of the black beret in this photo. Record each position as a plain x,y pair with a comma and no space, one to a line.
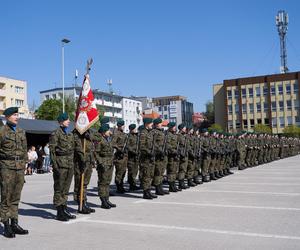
63,117
10,111
171,124
157,121
104,128
181,126
132,126
147,120
104,120
120,123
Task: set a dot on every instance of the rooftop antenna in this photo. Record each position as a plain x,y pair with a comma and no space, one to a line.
76,77
282,20
109,83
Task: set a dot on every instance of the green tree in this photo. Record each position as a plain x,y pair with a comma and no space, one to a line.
262,128
215,127
209,113
292,130
50,109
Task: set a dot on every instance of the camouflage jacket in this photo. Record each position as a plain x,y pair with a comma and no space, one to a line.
146,143
119,140
84,153
103,151
172,144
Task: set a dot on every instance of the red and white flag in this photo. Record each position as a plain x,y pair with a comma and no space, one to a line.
86,113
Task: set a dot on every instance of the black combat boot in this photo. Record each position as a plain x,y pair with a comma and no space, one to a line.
172,187
206,178
178,187
120,188
109,203
147,195
229,172
67,213
16,228
198,179
92,210
104,203
152,195
133,187
182,184
213,177
60,214
158,190
84,209
8,232
221,173
191,183
162,189
217,175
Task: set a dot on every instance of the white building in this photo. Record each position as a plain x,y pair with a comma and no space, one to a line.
131,112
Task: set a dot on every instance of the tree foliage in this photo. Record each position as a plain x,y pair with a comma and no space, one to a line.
215,127
262,128
292,130
209,113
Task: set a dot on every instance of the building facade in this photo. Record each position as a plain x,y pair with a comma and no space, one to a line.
273,100
174,109
13,93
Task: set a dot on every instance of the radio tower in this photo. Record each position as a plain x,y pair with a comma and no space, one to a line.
109,83
282,20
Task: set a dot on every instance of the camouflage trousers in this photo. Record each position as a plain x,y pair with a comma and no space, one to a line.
183,164
160,168
77,180
120,165
213,163
11,185
190,168
133,168
104,179
197,170
172,168
205,164
62,178
147,167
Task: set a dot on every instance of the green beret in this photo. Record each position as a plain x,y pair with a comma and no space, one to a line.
10,111
104,128
189,127
63,117
104,120
171,124
204,130
141,127
157,121
147,120
181,126
120,123
132,126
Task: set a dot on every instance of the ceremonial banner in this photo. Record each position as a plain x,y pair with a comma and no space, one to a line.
87,113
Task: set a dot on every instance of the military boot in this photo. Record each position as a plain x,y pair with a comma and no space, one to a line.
147,195
133,187
151,194
67,213
109,203
229,172
221,173
172,187
92,210
84,209
206,178
60,214
217,175
198,179
16,228
213,177
104,203
162,189
158,190
120,188
191,183
8,232
182,184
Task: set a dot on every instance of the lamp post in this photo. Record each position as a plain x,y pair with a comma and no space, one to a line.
63,42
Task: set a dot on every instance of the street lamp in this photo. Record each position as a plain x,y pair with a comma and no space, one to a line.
63,42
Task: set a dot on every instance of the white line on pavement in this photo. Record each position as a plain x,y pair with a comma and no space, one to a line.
193,229
241,192
259,183
82,219
217,205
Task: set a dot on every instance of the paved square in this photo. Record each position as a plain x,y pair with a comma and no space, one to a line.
258,208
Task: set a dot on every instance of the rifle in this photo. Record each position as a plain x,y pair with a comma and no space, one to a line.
164,147
152,148
125,144
185,146
137,150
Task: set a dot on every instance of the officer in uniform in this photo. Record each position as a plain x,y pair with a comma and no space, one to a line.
13,156
104,159
206,156
183,159
119,143
132,163
84,161
62,147
160,158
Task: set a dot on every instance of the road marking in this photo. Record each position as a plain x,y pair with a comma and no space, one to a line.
269,177
242,192
259,183
218,205
82,219
193,229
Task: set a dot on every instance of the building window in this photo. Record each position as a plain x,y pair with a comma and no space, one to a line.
289,105
237,124
243,93
54,96
273,105
258,121
165,108
244,108
281,122
251,107
274,121
47,97
258,107
252,123
266,106
281,107
280,89
250,92
257,90
297,118
289,120
288,88
296,88
266,90
236,93
19,90
296,104
237,108
229,109
229,94
19,103
230,124
273,90
159,108
245,123
266,121
165,117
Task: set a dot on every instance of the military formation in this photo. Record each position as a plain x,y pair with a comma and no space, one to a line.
165,160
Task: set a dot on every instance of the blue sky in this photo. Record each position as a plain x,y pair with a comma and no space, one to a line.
148,47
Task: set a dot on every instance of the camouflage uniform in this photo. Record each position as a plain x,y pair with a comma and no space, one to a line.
132,163
173,161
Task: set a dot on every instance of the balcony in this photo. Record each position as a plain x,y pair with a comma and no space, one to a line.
106,103
109,114
117,105
2,92
2,106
